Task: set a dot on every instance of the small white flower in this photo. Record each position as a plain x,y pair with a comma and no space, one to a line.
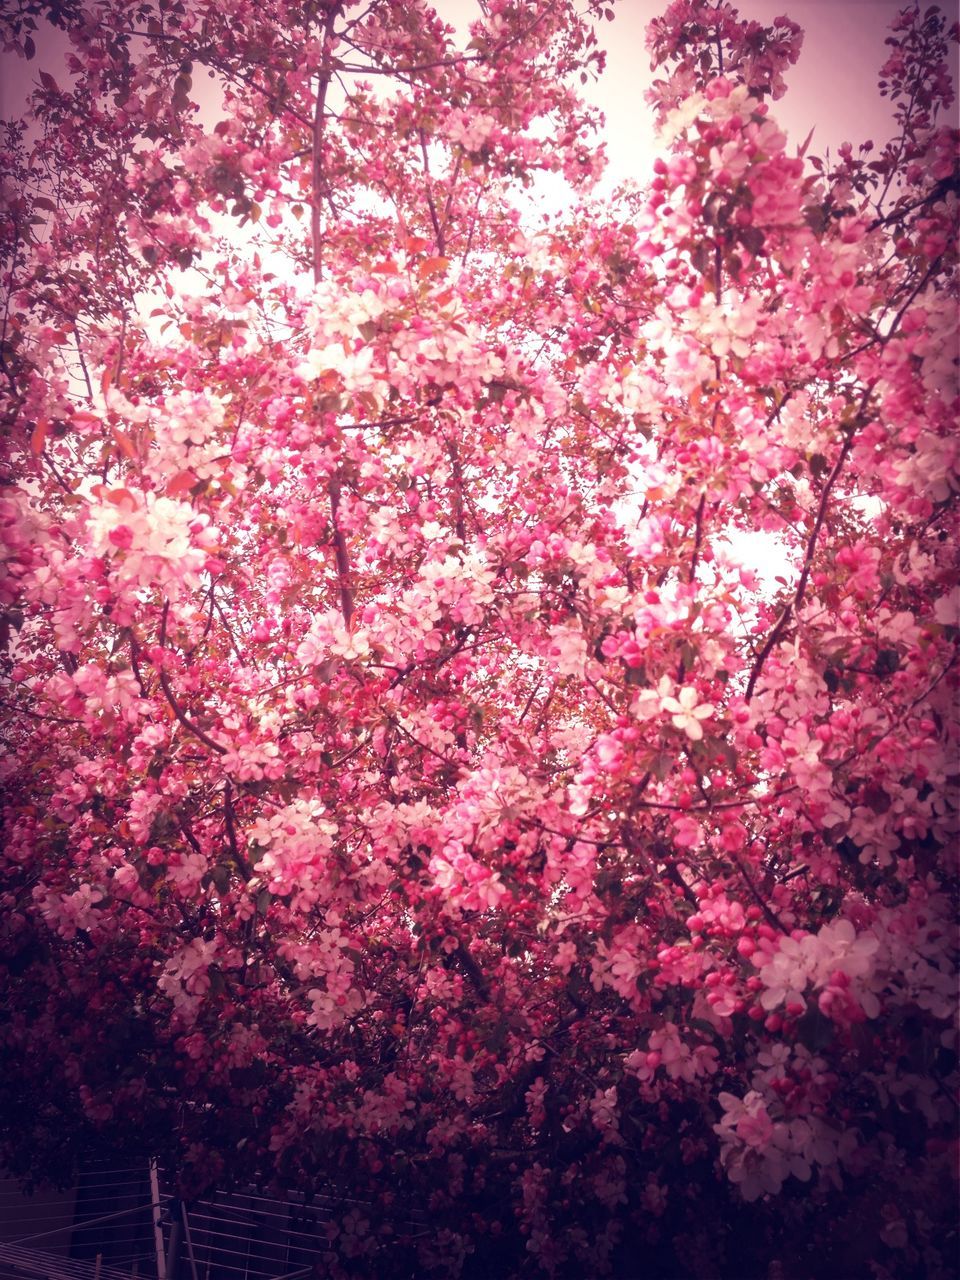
947,609
649,702
353,368
686,714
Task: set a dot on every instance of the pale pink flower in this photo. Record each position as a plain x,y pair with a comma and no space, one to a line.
649,702
565,956
947,609
603,1109
80,910
686,713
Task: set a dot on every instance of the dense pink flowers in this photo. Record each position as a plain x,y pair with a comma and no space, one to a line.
417,794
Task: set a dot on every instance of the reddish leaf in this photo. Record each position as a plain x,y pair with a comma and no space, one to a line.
124,443
182,482
38,436
121,498
432,266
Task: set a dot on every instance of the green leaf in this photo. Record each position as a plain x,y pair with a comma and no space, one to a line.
661,765
497,1038
220,877
705,1028
702,257
887,662
752,239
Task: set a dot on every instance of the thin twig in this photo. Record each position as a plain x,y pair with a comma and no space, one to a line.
175,707
793,607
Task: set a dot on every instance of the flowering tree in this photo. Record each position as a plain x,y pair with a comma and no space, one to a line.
408,794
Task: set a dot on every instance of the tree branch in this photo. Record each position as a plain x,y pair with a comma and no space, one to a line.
792,608
340,550
319,180
175,707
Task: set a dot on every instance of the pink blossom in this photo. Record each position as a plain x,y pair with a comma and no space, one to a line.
686,712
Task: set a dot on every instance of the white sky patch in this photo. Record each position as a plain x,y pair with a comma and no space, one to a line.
765,554
869,506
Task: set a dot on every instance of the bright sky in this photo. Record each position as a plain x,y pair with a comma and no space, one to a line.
833,87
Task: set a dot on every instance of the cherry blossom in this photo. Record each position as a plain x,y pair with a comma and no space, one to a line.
414,796
686,711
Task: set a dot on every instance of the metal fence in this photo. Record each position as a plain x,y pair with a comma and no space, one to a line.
104,1226
123,1223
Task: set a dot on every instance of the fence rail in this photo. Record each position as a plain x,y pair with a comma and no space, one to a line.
125,1223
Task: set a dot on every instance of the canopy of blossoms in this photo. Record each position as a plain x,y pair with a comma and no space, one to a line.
407,793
